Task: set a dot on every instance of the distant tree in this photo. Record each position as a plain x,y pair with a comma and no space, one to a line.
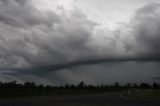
156,85
30,85
135,85
102,86
49,88
81,85
67,86
12,84
72,86
128,85
116,84
91,87
41,86
145,85
1,85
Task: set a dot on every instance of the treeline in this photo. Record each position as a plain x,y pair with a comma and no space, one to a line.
9,89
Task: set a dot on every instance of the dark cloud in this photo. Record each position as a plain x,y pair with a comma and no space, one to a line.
144,28
43,70
106,73
36,43
32,37
148,28
156,78
22,2
22,14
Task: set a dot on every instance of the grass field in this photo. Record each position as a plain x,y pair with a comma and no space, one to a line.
143,93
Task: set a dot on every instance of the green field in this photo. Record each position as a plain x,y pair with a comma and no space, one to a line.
143,93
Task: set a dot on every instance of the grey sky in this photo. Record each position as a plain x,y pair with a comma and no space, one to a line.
99,41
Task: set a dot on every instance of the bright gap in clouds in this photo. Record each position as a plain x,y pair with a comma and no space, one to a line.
107,13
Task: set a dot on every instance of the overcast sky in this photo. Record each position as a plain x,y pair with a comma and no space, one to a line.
68,41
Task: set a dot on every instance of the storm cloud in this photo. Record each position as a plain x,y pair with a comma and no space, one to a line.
35,43
144,29
37,38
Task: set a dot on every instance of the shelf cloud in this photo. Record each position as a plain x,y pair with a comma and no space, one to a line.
35,42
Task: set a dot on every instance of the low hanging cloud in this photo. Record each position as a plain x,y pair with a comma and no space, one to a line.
35,42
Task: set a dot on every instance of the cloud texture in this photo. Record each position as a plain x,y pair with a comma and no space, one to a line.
35,43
